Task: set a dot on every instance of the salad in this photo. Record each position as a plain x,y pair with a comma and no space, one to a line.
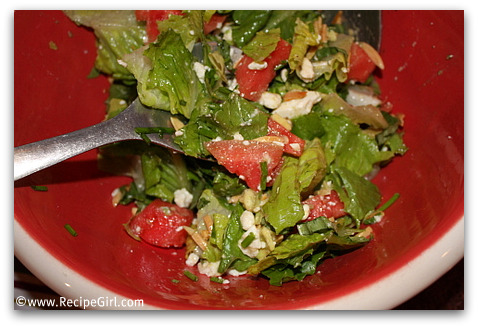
285,110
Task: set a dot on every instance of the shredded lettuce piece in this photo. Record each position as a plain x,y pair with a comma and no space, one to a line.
346,145
263,43
117,32
303,39
359,195
297,176
166,77
248,23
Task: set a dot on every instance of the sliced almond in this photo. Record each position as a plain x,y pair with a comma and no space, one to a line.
271,139
198,239
294,94
282,121
373,54
176,123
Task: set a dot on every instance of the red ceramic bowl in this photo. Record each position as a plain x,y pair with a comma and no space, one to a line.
420,238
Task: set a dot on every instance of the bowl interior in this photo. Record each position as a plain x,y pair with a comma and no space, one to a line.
423,79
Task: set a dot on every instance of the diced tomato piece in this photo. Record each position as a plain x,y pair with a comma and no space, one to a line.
252,83
160,223
151,17
329,206
274,173
360,64
215,22
294,146
244,158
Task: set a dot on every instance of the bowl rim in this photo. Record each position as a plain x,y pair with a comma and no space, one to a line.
407,280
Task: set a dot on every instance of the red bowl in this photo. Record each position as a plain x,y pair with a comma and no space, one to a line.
420,238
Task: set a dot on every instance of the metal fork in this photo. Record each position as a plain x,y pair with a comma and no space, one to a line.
39,155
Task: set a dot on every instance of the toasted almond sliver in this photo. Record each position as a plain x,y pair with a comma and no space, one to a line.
196,237
176,123
270,139
373,54
294,94
282,121
209,223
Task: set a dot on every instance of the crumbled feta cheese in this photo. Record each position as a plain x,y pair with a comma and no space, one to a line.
232,85
270,100
182,197
252,250
209,268
283,74
235,54
192,259
227,33
122,63
200,70
306,71
247,220
297,107
238,136
295,146
257,66
306,208
361,96
235,273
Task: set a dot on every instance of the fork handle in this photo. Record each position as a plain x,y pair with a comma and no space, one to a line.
36,156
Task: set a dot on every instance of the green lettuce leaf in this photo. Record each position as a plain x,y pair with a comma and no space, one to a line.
248,23
263,43
166,77
297,177
292,251
303,38
117,32
284,209
285,21
186,26
346,145
232,256
359,195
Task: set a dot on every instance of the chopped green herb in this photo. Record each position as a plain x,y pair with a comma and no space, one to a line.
71,230
191,275
372,217
389,202
40,188
143,132
53,45
219,280
264,173
248,240
175,281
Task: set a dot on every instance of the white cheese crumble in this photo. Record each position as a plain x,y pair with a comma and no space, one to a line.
182,197
200,70
238,136
247,220
209,268
297,107
360,96
192,259
283,74
252,250
270,100
122,63
306,71
257,66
